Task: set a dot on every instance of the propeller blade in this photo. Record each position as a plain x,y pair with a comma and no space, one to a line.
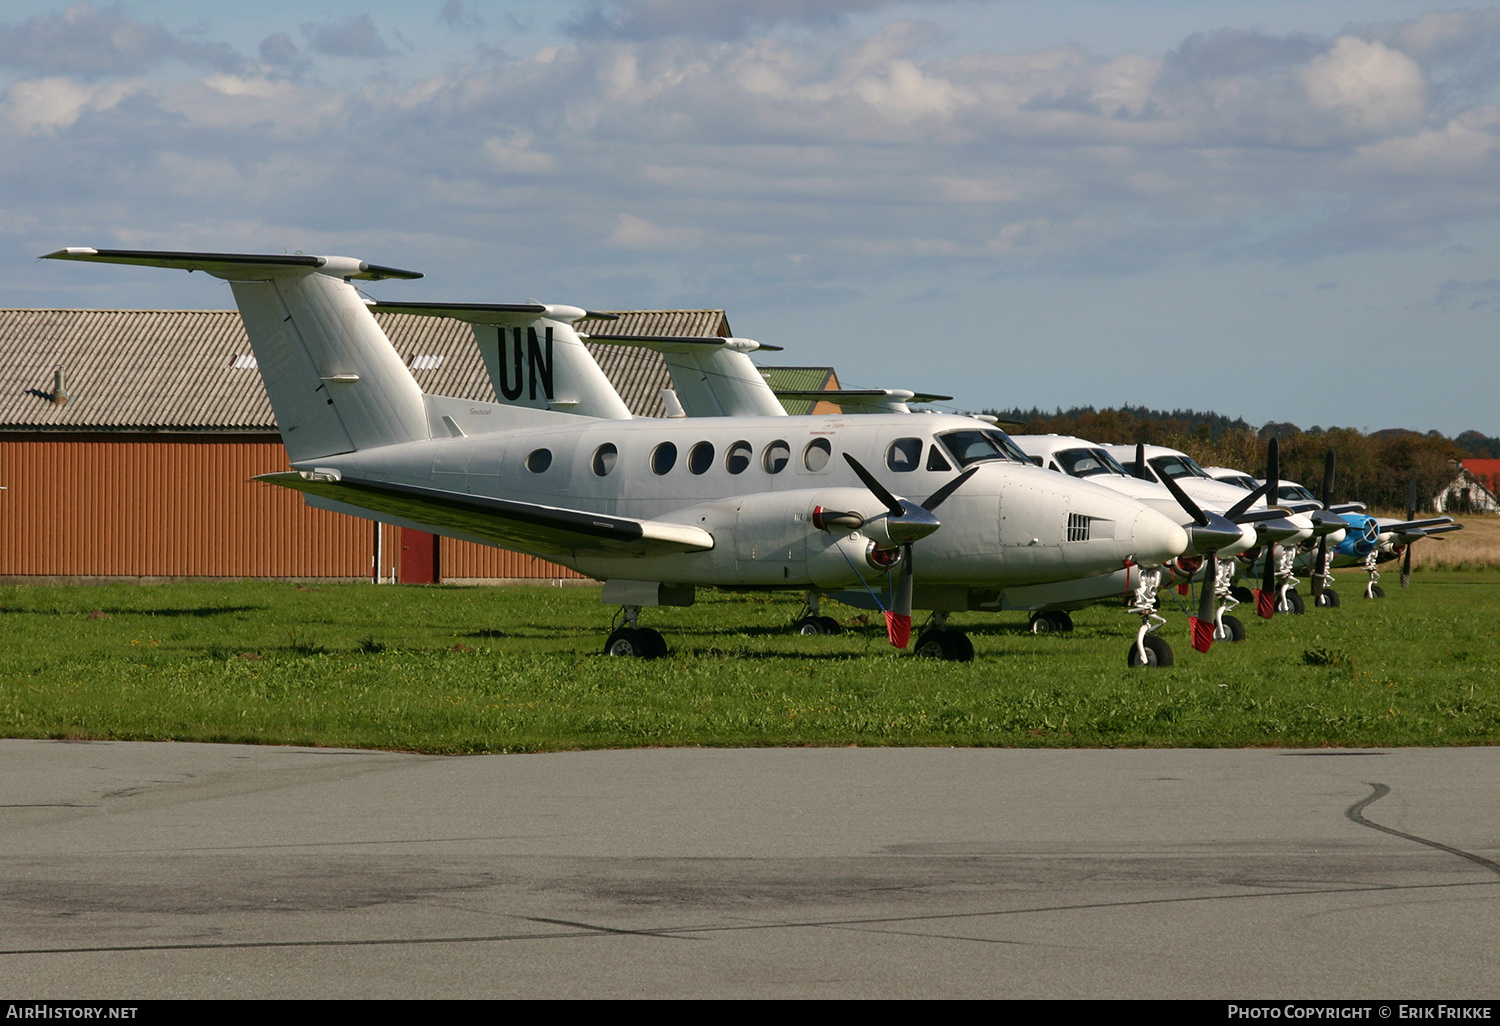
1189,506
1202,626
1140,462
1273,472
1328,478
940,496
898,617
889,501
1411,513
1265,596
1238,509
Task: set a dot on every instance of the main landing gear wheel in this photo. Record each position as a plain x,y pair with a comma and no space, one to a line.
1329,599
1158,652
1051,621
641,642
1292,604
1242,593
954,646
1230,629
812,625
1376,591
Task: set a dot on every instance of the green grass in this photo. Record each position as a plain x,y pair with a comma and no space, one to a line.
517,669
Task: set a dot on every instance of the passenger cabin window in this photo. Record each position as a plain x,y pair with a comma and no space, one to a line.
663,458
815,456
604,459
701,457
776,456
935,460
539,460
737,459
904,455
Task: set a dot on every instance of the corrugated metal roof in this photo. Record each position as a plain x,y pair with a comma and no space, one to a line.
804,379
176,370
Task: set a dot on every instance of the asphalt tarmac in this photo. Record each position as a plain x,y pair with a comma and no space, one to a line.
134,871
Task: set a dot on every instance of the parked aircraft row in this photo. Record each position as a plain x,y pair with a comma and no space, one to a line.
728,490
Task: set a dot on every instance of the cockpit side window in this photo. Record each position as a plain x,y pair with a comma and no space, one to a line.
935,460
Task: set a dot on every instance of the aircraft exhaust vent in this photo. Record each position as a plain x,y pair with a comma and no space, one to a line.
1078,527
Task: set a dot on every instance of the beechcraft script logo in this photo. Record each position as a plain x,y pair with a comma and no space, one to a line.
537,354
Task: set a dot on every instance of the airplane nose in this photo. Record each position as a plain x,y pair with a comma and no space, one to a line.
1156,538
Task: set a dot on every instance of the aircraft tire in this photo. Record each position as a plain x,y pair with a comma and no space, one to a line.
1231,629
1329,599
809,626
830,625
1293,605
1041,623
1377,592
1242,593
1062,620
951,646
1158,653
632,641
656,645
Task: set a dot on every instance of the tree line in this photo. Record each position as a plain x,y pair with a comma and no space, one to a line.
1371,468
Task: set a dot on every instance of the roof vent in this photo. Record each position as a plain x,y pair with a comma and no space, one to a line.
59,394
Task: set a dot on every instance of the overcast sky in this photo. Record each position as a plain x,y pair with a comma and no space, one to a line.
1281,211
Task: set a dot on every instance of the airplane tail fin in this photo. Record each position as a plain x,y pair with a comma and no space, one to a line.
534,357
334,380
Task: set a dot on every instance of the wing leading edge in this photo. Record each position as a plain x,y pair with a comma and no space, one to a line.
522,526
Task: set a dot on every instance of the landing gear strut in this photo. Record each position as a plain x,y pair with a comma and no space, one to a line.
1148,650
811,623
1287,599
1226,627
938,641
630,640
1373,590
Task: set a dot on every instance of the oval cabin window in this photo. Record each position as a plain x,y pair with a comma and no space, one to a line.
815,456
737,459
775,457
663,458
604,459
539,460
701,457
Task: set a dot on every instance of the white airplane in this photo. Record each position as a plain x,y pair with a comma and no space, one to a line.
653,507
713,377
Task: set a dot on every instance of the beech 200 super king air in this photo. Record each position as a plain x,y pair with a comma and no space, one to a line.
652,507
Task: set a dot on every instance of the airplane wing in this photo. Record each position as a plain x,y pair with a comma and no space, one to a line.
522,526
229,263
864,400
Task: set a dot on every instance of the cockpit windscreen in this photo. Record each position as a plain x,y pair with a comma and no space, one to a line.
968,447
1176,466
1088,462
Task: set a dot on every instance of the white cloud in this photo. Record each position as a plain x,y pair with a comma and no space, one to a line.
1369,86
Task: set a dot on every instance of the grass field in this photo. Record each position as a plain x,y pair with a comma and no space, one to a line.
452,669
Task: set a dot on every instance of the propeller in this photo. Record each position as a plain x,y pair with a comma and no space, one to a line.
906,522
1320,566
1265,596
1411,514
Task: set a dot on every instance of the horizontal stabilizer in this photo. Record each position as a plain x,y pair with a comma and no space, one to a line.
833,395
523,526
494,313
233,263
682,343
